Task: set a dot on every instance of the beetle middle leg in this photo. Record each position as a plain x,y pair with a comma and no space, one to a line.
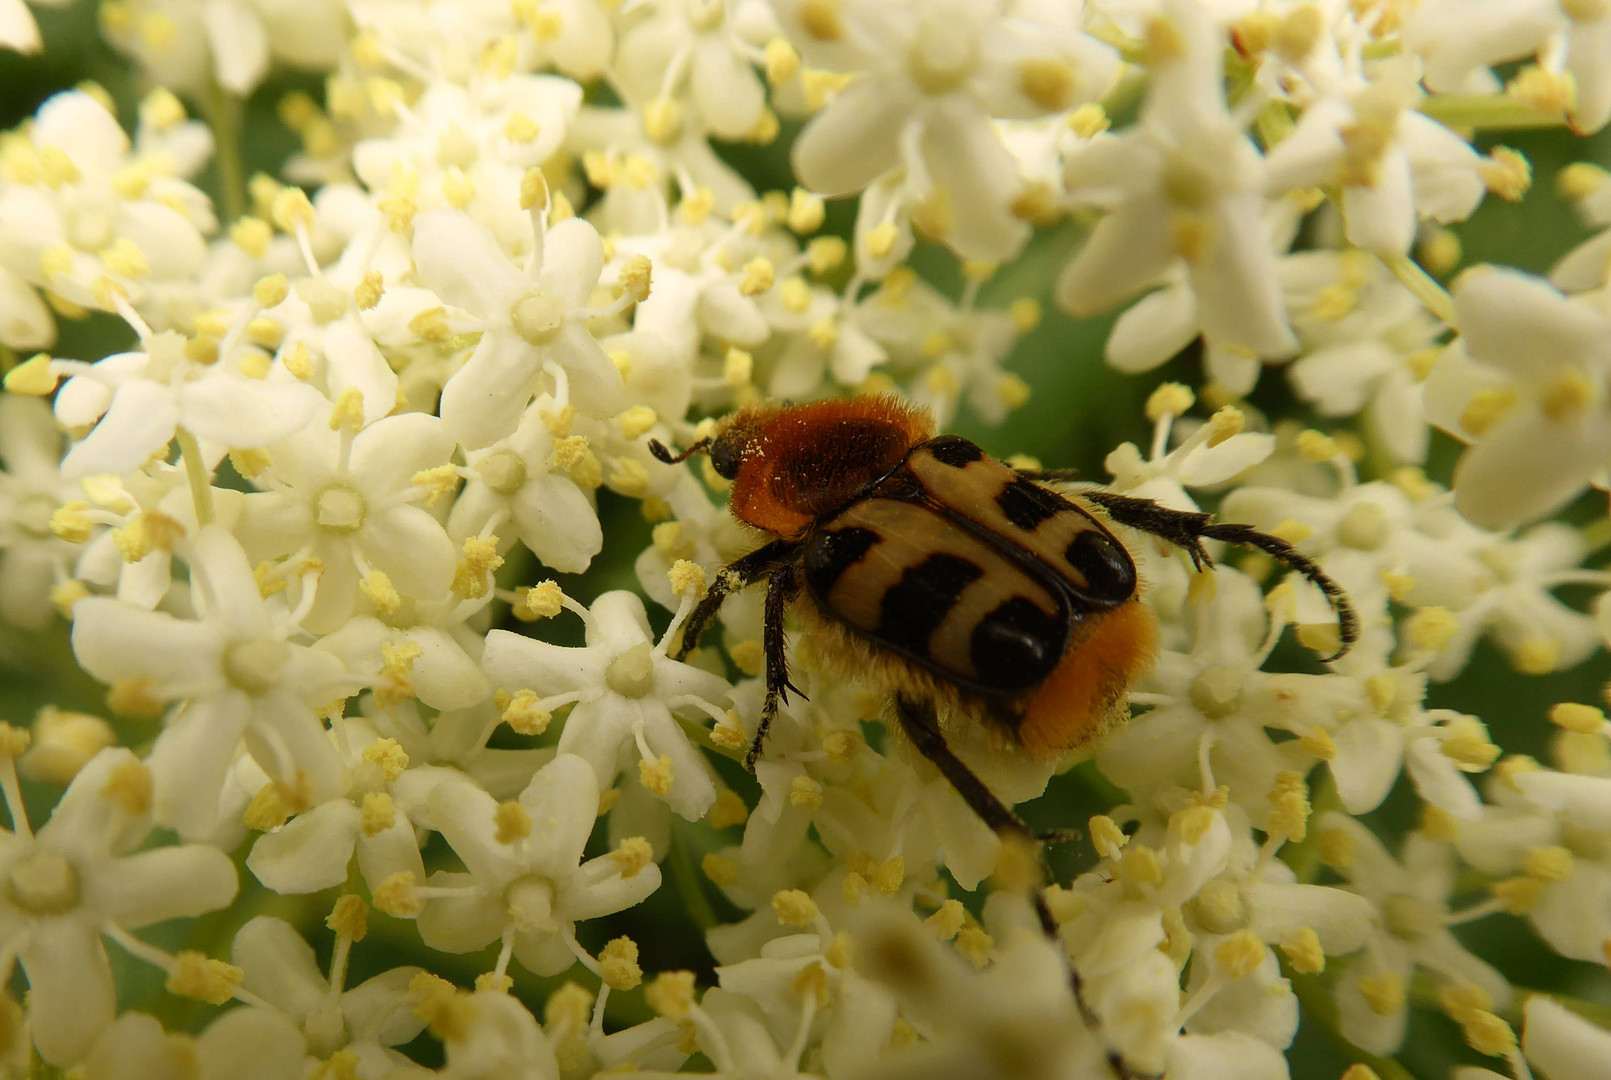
1189,528
782,586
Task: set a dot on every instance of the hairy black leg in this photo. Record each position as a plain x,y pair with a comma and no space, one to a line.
1188,529
734,576
918,721
782,585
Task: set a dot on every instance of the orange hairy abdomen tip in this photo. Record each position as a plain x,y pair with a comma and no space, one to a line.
1082,697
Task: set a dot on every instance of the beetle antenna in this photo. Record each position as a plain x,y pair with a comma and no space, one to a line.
663,452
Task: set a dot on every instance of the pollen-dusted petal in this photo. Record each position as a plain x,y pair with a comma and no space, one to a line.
466,816
279,965
71,997
558,523
464,923
1342,920
729,92
483,401
251,1044
976,179
191,759
854,141
1128,250
163,883
1561,1044
1513,474
516,662
238,42
140,421
460,260
353,362
573,259
1238,297
115,641
308,853
1518,322
560,800
238,412
1381,217
1153,330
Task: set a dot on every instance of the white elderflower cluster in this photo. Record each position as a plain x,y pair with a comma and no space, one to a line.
360,517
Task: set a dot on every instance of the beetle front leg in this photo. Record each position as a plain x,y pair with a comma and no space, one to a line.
736,575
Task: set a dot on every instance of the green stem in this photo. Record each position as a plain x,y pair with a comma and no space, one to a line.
694,900
223,111
1424,286
201,481
1318,1007
1487,112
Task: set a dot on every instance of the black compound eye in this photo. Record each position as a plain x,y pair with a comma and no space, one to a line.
724,460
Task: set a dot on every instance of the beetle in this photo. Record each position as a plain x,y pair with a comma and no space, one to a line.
961,585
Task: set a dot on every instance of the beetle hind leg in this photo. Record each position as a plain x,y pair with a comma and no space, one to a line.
922,727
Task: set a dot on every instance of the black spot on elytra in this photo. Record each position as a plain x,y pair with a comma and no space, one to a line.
954,450
1026,504
830,554
1109,572
1017,645
916,604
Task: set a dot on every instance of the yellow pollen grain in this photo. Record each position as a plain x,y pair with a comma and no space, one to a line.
1227,422
1383,993
729,734
128,787
1302,949
630,478
1548,864
806,211
1489,1034
197,975
1536,656
728,810
687,578
1580,719
671,994
543,600
618,962
782,63
266,810
397,895
1106,836
1438,824
631,855
1240,954
1548,92
880,240
948,921
805,793
33,378
1047,82
1485,408
973,943
1431,628
793,907
1318,742
1170,399
511,822
757,277
1317,446
379,591
721,870
1139,865
1337,848
378,813
749,657
656,775
1569,395
349,918
525,713
1518,894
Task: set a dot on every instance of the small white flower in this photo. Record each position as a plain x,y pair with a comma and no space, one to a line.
1526,385
233,674
82,875
626,693
247,1042
529,889
531,320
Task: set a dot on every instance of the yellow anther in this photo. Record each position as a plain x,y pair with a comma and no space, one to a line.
757,277
1549,864
1170,399
671,994
397,895
197,975
349,918
1431,628
656,775
1383,993
388,754
1106,836
631,855
782,62
719,869
973,943
1302,949
794,907
619,963
1484,409
377,814
949,920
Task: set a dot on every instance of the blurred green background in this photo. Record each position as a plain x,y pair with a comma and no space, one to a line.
1079,411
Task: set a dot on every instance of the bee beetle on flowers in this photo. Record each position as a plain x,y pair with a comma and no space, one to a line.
962,586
